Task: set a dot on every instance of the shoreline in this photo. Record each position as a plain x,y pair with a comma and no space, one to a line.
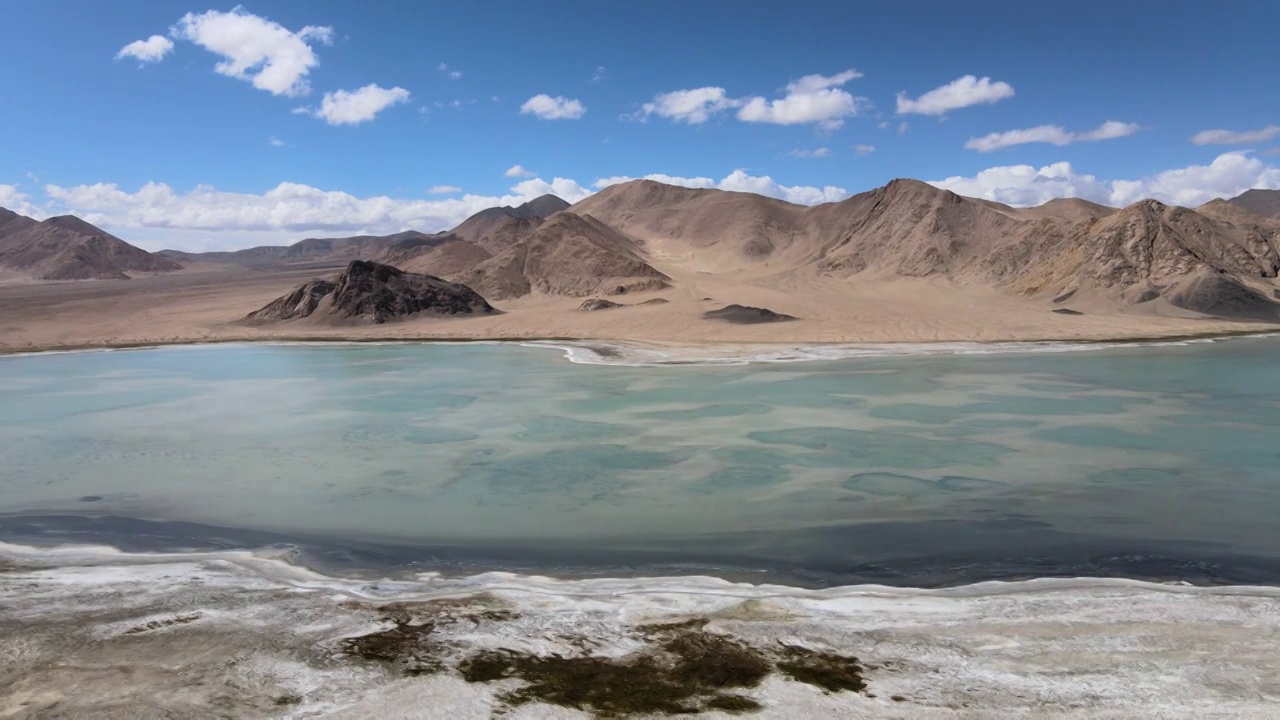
279,563
565,342
259,637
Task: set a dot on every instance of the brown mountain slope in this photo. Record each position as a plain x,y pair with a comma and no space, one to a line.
1113,258
569,254
68,248
1259,202
486,222
711,230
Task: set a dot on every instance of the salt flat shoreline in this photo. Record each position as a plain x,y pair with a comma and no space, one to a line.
603,344
257,636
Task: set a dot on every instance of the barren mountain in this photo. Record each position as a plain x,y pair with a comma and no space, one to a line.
484,223
68,248
370,292
1116,258
1259,202
322,250
704,229
569,254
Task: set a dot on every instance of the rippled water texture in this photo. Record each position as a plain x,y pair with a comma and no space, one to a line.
827,465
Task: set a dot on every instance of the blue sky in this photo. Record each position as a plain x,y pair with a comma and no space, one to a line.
802,100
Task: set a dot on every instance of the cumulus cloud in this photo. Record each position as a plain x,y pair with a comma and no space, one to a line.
811,99
263,52
1233,137
11,198
693,106
1024,185
864,149
959,93
157,216
553,108
443,190
600,75
1052,134
814,153
518,171
153,49
277,142
741,181
353,107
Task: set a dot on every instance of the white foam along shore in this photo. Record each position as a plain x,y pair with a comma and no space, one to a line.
635,354
1049,647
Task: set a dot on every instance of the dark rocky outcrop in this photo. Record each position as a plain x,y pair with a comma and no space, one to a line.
746,315
598,304
375,293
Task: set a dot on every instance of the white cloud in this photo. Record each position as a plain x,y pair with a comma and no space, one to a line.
443,190
153,49
959,93
1024,185
600,75
740,181
518,171
156,216
1052,134
564,188
811,99
344,107
884,125
1227,176
11,198
1232,137
451,74
553,108
277,142
255,49
864,149
903,128
689,182
693,106
814,153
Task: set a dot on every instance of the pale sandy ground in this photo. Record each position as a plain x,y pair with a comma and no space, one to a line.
204,302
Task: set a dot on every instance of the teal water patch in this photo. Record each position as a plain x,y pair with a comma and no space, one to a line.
499,443
1039,405
1100,436
743,477
705,412
547,428
438,435
895,484
915,412
876,449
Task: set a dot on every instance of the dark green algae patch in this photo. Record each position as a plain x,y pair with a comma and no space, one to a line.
684,669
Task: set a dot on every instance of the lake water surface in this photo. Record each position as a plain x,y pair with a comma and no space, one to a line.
1156,461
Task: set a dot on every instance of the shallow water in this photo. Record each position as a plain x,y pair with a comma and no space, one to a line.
1156,461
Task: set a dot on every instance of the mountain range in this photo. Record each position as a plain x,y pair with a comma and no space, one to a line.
68,248
1221,259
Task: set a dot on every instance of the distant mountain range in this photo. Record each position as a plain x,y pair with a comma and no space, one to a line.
68,248
1221,259
1259,202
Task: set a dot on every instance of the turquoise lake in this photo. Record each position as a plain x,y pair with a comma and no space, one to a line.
1158,460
